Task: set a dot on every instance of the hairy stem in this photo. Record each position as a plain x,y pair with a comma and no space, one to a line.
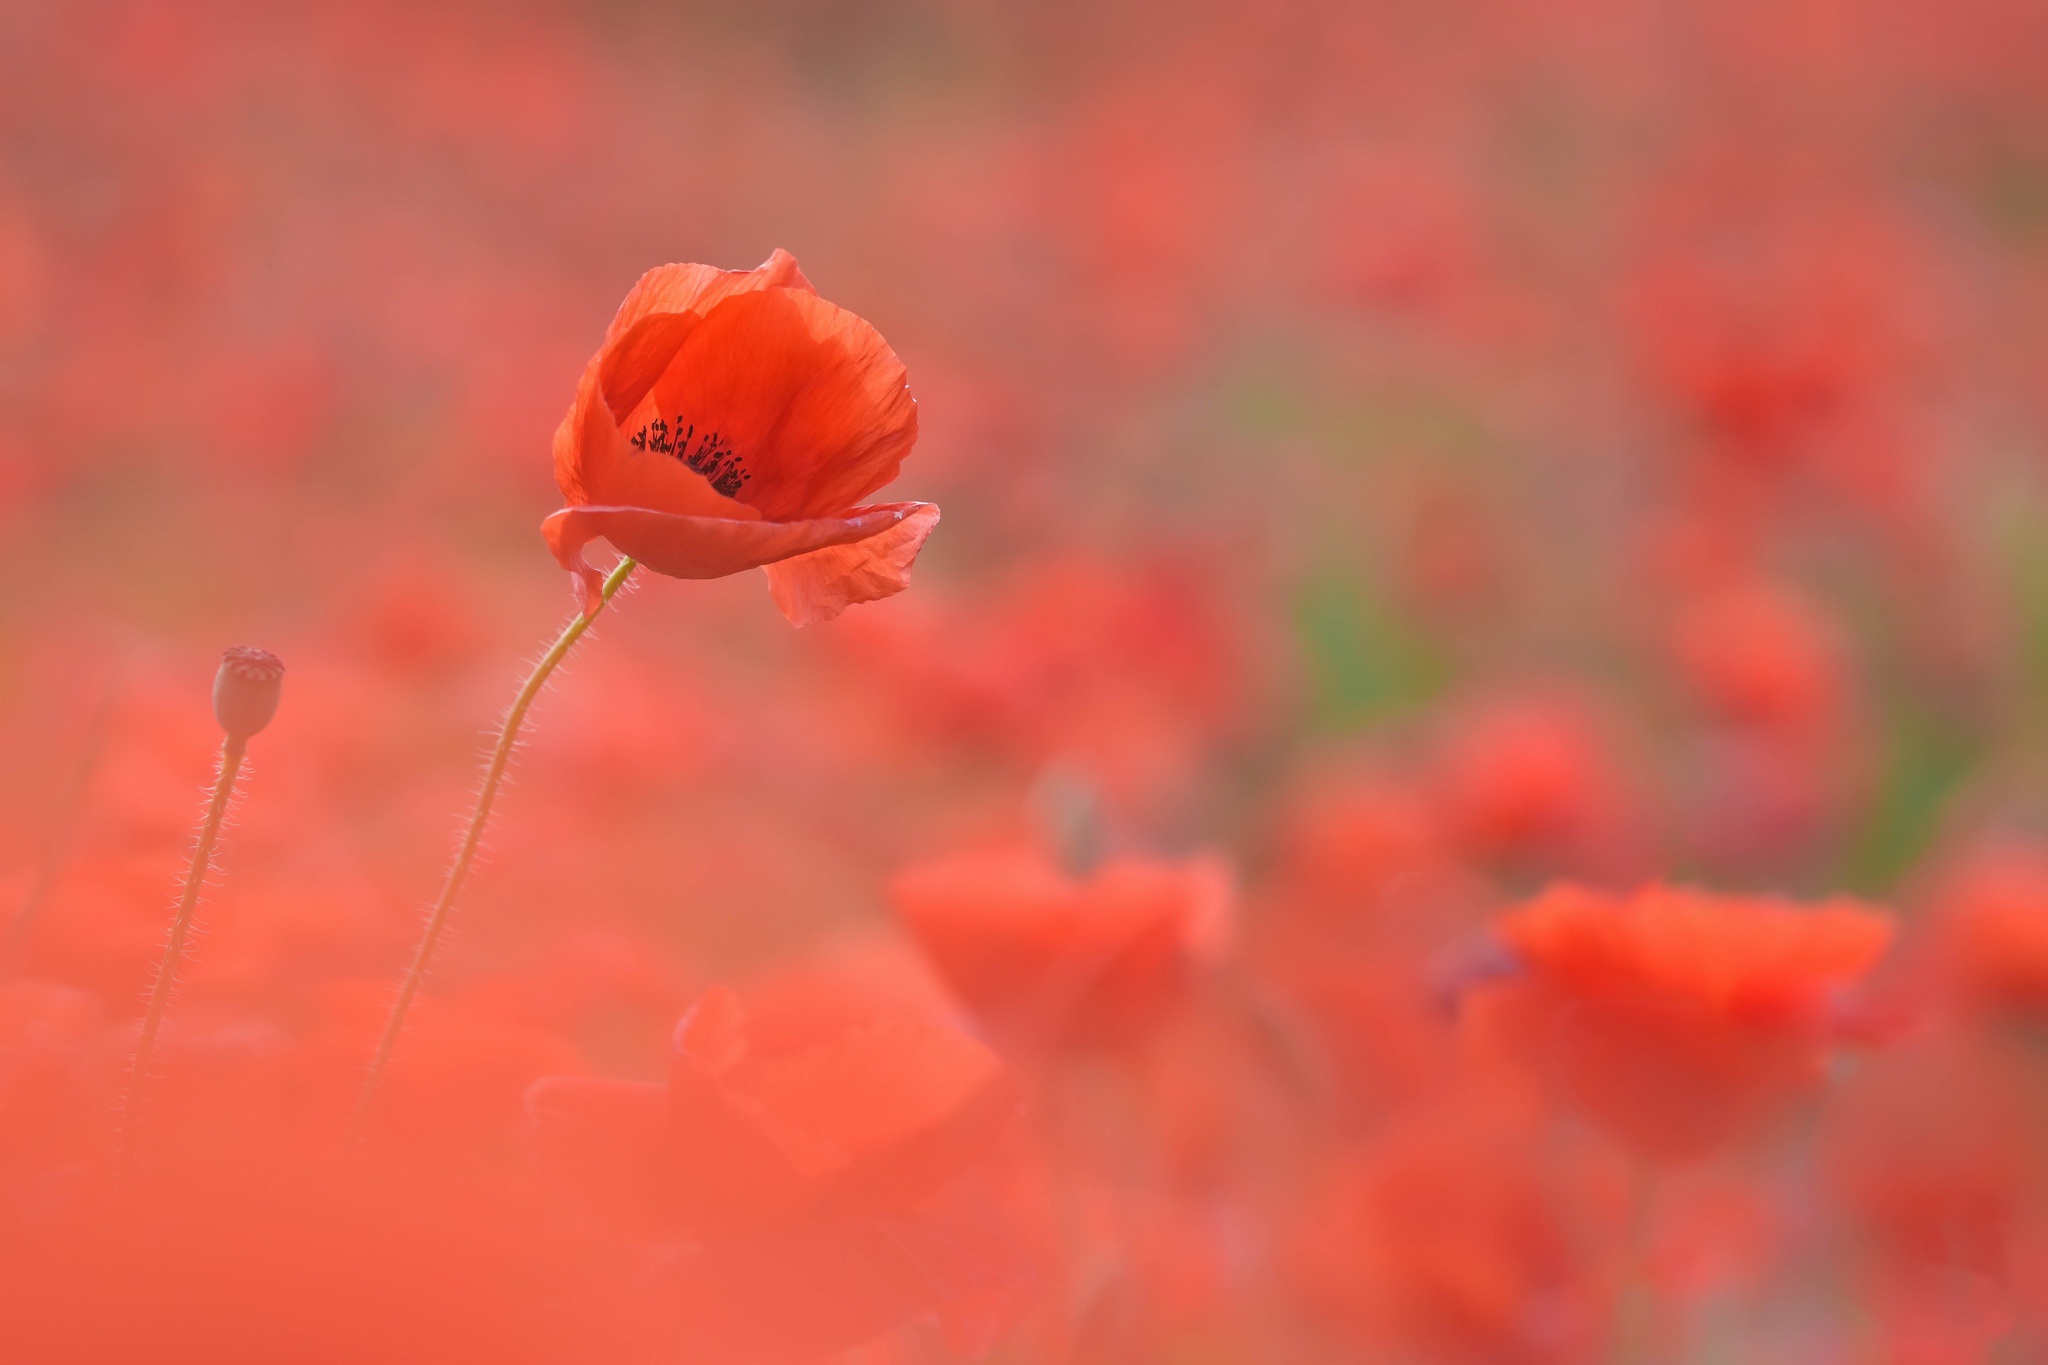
231,753
494,773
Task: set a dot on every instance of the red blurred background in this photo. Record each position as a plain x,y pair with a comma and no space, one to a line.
1395,457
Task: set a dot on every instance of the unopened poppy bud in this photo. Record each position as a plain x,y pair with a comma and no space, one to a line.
245,690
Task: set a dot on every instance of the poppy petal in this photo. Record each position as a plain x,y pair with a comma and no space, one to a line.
703,547
628,366
909,1103
1044,957
818,586
799,408
731,1161
594,463
659,311
689,288
712,1036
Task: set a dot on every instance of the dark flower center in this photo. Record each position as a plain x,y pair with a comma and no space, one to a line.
708,453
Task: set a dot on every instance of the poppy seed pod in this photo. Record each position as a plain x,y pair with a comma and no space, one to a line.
245,690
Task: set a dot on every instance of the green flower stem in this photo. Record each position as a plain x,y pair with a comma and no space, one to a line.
494,773
231,754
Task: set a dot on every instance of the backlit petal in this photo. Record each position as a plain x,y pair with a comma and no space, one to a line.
658,312
818,586
703,547
689,288
598,465
804,405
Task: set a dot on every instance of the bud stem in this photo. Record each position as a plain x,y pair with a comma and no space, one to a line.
231,753
494,772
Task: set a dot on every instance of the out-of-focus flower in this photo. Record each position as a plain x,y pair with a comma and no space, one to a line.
1138,672
732,420
1533,779
1712,1234
1679,1019
1758,654
1770,330
1047,959
1368,923
1993,913
1361,852
760,1177
1933,1161
864,1120
1776,762
1445,1240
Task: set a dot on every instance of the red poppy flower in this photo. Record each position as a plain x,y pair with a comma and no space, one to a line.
1447,1238
784,1166
864,1120
731,420
1537,778
1993,909
1678,1018
1047,959
1931,1156
1760,655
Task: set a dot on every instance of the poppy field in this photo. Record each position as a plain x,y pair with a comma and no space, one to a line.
1291,682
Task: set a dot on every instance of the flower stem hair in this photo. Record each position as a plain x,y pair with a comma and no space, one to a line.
494,774
245,693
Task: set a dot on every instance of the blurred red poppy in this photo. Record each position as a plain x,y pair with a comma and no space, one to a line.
1993,911
1048,959
731,420
1441,1239
1535,778
1677,1018
858,1120
1759,654
1931,1160
785,1166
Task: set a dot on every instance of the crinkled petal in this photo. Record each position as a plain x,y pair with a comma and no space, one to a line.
629,364
689,288
731,1161
797,407
703,547
818,586
909,1103
595,463
658,313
